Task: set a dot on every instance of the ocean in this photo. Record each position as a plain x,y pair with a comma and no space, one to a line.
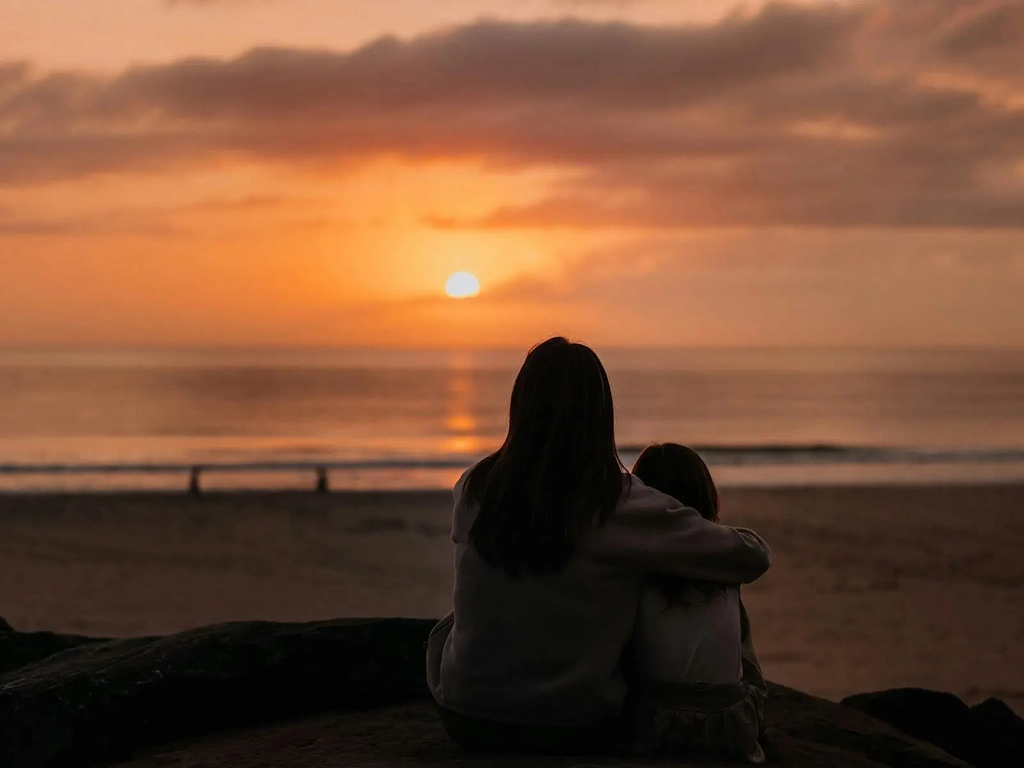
104,419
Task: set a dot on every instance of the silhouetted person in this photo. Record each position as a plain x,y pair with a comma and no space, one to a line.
695,679
553,540
322,485
193,484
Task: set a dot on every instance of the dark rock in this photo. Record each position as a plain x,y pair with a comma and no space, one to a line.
1001,723
100,701
805,732
104,700
20,648
941,719
4,626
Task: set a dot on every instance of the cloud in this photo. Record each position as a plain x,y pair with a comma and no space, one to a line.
111,224
985,28
605,3
224,213
780,286
212,2
871,114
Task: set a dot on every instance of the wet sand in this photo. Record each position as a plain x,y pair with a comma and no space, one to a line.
873,587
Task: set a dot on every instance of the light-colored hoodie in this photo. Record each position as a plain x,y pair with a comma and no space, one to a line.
545,649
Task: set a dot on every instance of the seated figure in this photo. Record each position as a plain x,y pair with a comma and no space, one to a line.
695,682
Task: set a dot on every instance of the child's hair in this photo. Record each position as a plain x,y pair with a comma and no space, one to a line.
681,473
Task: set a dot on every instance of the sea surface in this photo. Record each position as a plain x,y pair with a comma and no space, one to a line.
387,419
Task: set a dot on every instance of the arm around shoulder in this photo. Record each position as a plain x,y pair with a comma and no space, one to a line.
692,547
655,533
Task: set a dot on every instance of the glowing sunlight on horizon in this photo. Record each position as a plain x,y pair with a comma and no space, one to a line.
462,285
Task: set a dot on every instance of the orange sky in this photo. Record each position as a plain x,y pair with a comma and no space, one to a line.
271,172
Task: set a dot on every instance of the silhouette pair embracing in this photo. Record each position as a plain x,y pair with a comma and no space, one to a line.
595,610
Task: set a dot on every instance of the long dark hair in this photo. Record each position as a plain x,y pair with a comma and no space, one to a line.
681,473
558,472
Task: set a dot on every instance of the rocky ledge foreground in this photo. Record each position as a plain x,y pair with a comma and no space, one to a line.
351,693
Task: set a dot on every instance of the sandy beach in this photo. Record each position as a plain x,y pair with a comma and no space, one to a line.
873,587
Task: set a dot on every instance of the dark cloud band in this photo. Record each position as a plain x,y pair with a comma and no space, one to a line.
894,114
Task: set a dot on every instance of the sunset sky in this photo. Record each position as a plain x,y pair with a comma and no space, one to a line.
650,172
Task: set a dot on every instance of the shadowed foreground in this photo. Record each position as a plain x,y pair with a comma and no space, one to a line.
805,732
343,693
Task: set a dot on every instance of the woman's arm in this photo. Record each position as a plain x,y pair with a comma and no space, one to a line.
654,533
687,545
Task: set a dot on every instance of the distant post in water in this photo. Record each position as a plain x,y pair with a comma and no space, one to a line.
322,485
194,488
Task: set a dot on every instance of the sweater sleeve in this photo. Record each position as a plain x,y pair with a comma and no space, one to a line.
655,534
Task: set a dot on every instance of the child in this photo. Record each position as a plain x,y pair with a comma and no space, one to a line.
696,683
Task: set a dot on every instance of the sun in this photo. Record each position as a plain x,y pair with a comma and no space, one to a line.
462,285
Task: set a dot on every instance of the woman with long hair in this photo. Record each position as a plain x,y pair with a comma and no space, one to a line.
554,541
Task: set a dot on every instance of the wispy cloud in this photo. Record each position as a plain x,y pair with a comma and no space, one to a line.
873,114
110,224
213,2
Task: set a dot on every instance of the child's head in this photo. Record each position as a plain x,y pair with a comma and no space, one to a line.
681,473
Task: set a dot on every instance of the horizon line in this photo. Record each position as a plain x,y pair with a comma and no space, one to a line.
239,347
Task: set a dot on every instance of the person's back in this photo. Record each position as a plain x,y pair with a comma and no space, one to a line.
553,542
689,636
544,649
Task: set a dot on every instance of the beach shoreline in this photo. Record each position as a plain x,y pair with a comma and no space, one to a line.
873,586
